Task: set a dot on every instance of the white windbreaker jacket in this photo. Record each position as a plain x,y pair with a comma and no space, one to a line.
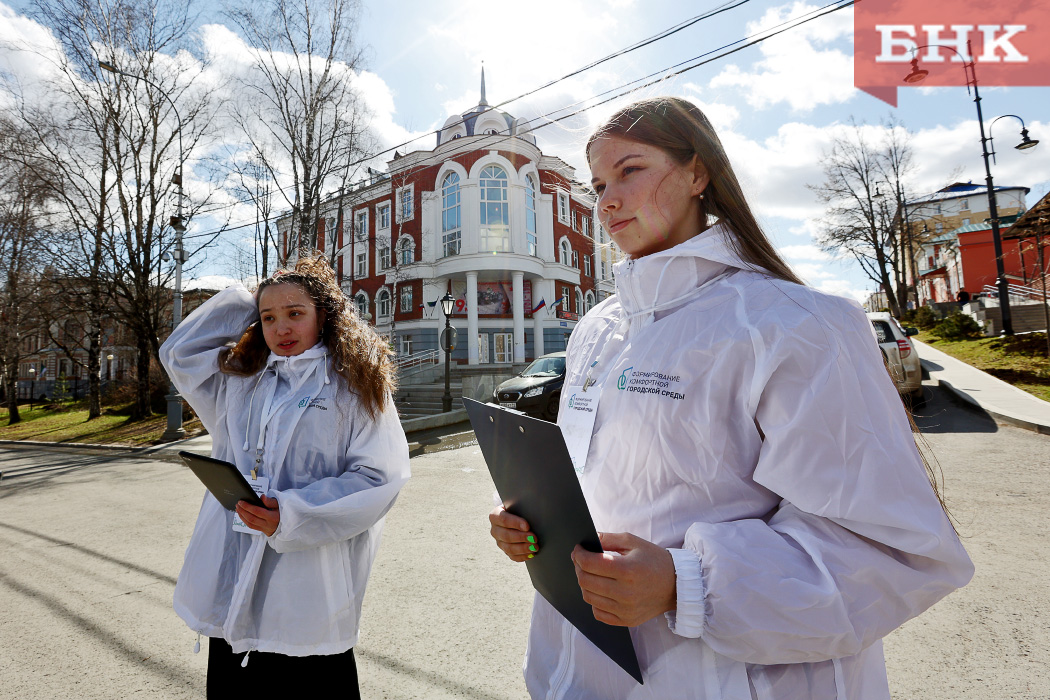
749,426
334,470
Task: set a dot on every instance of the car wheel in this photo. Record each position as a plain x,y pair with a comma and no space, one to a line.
551,413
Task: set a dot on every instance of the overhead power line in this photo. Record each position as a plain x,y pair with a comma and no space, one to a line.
662,34
624,89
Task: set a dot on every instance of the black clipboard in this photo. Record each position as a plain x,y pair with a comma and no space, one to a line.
222,479
530,466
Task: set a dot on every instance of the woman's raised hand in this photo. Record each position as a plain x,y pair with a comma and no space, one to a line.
631,582
512,535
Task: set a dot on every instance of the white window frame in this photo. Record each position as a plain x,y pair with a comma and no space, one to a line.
361,263
494,237
576,260
563,207
361,300
587,265
585,223
405,294
573,220
406,344
588,301
383,298
579,302
382,257
408,189
564,251
361,224
406,243
382,209
531,238
452,239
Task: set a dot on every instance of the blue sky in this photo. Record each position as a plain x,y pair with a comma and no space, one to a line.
777,105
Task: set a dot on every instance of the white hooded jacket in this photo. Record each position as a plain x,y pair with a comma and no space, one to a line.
334,470
749,426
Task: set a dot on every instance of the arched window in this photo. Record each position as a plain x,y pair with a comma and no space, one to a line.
361,302
588,302
406,251
565,252
495,211
579,302
530,214
450,220
383,304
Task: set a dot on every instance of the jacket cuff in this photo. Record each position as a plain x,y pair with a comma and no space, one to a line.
687,620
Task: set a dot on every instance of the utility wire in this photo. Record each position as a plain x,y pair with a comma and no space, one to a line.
694,63
663,34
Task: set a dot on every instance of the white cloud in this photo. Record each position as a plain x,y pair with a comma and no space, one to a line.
797,67
843,288
211,282
811,272
803,252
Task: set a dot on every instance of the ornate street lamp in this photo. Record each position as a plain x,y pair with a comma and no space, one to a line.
448,340
174,430
917,75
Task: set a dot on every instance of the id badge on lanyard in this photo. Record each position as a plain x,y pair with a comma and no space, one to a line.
576,420
259,485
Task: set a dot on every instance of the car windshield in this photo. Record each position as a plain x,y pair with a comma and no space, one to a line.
545,367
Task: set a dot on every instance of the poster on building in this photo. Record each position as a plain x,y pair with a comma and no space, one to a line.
494,298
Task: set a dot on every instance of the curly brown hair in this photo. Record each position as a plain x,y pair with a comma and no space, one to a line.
359,355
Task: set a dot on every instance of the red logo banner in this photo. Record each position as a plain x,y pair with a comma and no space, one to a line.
1010,43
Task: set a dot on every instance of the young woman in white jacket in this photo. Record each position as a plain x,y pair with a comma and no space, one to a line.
295,390
766,515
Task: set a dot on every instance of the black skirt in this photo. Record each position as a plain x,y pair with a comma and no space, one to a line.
276,672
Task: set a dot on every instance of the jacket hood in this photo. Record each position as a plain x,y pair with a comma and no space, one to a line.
669,278
300,360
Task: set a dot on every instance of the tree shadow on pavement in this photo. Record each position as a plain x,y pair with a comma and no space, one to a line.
18,478
946,413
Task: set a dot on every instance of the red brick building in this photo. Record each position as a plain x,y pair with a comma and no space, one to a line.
485,215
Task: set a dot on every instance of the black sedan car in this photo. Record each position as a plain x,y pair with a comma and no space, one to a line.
535,391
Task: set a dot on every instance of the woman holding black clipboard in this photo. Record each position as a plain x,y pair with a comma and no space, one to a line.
765,514
295,391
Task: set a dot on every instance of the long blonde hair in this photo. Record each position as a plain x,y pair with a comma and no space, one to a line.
678,128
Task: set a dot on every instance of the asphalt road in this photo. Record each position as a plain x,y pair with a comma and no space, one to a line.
91,543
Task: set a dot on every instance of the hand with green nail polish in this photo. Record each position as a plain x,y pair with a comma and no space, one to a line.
512,535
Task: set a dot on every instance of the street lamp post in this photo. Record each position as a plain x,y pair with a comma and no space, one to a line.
32,386
447,302
970,69
174,430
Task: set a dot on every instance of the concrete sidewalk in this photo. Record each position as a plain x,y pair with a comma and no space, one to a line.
1004,402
